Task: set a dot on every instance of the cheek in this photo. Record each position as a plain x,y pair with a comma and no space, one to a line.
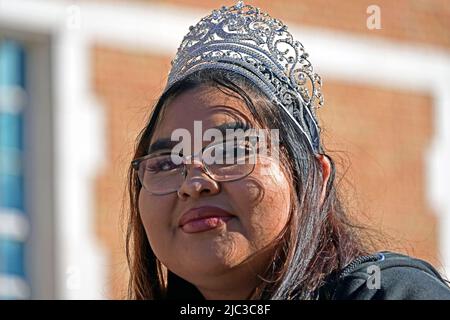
155,214
265,197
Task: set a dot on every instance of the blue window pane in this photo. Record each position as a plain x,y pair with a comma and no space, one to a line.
12,66
12,84
11,162
11,191
11,257
11,128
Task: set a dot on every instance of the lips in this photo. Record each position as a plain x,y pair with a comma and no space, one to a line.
203,218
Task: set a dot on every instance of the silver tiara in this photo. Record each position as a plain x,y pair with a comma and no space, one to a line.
249,42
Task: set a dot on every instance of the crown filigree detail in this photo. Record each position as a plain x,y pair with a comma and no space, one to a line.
243,39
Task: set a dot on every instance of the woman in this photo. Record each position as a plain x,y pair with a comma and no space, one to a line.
267,223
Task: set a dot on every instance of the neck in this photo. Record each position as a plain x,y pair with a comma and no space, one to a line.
237,283
239,289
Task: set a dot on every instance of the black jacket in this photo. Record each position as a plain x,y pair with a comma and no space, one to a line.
386,276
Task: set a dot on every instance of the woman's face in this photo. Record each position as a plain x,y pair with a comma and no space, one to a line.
231,252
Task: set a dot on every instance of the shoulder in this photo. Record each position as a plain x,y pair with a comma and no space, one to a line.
387,275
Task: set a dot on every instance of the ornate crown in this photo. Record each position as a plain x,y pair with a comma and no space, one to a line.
249,42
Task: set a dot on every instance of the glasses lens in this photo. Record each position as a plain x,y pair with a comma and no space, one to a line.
230,160
160,174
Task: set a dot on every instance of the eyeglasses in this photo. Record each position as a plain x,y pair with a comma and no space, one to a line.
164,173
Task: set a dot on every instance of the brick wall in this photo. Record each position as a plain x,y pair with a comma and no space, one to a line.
127,84
411,21
381,136
377,135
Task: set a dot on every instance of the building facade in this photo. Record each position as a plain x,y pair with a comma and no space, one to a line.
385,67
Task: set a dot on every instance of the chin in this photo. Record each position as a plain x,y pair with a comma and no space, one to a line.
212,259
211,268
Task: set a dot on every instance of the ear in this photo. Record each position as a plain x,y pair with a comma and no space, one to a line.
326,170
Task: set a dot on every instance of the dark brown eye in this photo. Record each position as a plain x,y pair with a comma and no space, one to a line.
160,164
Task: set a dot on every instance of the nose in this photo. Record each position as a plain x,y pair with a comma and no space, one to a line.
197,183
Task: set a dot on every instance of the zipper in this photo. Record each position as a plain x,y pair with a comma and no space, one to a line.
359,260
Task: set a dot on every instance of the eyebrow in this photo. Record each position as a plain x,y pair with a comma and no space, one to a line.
167,144
162,144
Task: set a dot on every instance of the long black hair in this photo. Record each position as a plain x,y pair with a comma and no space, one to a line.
318,239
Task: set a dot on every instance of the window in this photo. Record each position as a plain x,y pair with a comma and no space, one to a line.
13,217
